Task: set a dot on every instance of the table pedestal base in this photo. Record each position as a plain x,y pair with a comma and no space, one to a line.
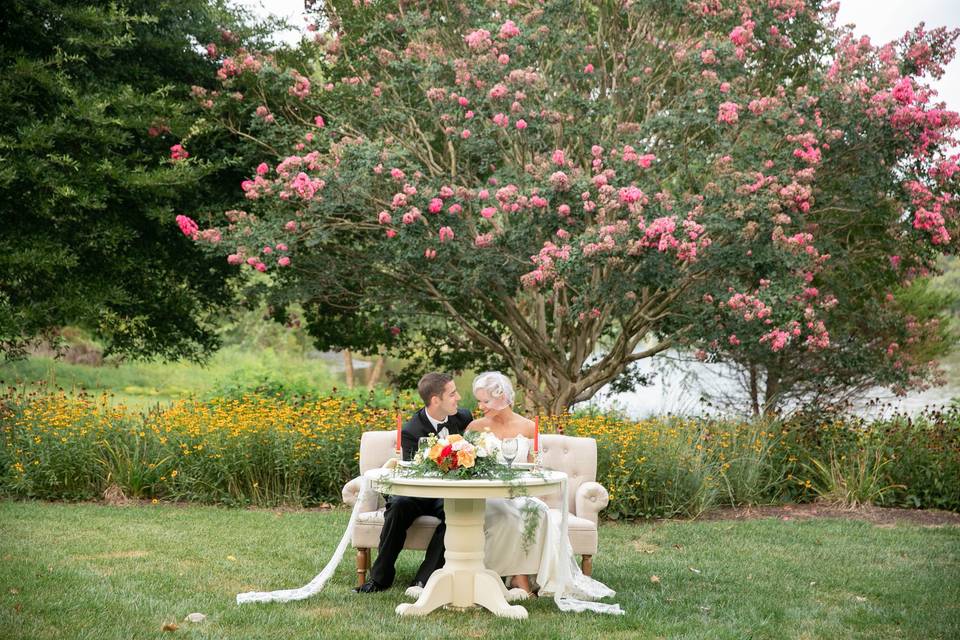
464,581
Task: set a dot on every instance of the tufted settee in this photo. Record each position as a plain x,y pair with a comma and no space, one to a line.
577,457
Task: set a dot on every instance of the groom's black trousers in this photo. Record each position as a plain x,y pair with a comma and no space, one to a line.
400,513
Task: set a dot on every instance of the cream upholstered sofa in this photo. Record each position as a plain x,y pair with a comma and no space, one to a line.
577,457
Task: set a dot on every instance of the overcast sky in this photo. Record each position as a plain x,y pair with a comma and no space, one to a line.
882,20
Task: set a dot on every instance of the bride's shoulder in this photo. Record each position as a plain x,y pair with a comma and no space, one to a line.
479,424
525,427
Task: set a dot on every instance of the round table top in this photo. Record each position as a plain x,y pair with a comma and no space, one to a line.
386,481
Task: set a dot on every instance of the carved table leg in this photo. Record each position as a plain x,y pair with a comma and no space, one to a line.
464,581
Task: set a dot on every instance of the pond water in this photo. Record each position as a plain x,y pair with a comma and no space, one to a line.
683,385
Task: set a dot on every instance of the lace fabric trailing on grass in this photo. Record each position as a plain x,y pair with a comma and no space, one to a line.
572,590
316,585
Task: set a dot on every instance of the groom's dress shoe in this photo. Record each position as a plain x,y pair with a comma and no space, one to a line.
369,587
418,583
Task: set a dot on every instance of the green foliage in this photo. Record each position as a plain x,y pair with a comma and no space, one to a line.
233,370
851,481
948,282
94,98
673,466
133,465
900,461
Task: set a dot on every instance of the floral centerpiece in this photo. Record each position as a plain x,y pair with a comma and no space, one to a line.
472,455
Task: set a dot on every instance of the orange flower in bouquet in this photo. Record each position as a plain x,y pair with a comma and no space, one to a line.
472,455
466,458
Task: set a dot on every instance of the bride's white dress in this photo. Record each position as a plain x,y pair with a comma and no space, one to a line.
548,557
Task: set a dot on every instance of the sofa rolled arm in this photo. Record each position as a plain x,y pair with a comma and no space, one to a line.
351,493
591,497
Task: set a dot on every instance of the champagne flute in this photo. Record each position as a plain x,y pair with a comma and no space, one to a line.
509,451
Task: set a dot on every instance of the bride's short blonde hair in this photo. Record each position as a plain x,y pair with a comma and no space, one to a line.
496,384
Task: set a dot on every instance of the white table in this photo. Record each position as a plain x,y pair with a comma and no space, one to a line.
464,581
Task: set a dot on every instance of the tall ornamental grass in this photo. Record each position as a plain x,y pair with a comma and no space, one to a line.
268,450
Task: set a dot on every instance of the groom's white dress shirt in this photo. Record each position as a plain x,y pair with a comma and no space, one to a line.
439,427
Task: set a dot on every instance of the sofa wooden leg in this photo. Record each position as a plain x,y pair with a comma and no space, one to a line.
586,565
363,563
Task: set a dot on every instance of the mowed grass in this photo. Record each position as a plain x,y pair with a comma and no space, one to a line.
93,571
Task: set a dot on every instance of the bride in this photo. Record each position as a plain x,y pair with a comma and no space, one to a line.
547,559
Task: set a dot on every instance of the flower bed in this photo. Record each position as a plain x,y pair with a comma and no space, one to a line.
265,451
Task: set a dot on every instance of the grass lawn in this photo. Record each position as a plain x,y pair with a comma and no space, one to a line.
92,571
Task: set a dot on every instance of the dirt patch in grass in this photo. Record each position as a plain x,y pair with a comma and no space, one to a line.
115,555
883,516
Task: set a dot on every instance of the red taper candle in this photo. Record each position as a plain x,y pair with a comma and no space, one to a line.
536,433
399,428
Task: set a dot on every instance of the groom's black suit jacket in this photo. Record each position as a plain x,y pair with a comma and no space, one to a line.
419,426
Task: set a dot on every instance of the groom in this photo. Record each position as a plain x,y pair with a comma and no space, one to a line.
439,416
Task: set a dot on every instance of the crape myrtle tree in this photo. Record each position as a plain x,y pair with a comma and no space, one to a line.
879,200
92,173
570,187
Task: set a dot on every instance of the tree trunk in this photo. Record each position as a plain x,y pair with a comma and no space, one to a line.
348,367
377,371
771,395
754,390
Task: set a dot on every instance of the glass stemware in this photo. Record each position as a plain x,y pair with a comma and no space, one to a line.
508,450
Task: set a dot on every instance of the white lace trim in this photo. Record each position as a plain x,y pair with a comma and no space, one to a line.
572,584
316,585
